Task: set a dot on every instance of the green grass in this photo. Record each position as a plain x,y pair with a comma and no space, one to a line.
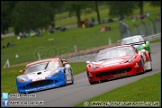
146,90
157,40
8,75
63,42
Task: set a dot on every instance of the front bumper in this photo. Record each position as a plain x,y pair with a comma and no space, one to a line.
114,71
48,82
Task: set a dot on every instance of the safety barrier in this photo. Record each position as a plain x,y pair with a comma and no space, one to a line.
153,37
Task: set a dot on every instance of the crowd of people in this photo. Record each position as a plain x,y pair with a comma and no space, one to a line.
9,44
86,23
32,33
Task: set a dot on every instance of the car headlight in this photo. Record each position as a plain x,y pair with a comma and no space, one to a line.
93,67
130,60
143,44
56,72
21,79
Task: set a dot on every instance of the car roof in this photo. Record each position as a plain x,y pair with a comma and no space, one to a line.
135,36
44,60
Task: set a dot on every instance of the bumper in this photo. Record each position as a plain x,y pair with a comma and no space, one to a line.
145,47
114,71
49,82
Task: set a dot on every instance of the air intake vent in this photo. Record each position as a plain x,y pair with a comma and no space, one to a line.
39,73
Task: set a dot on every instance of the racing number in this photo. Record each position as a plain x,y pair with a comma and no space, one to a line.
120,75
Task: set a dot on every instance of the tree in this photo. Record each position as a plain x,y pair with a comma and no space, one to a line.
6,12
155,3
76,6
94,5
121,8
140,5
29,15
97,11
58,6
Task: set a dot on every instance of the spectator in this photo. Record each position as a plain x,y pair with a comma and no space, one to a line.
86,22
103,29
83,25
62,28
123,27
51,30
20,35
38,33
53,25
93,21
26,34
8,44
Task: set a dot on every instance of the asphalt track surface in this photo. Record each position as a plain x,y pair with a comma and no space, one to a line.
81,90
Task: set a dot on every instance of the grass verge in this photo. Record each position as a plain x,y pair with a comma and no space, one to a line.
157,40
145,90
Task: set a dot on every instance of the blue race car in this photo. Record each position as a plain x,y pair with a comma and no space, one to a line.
44,74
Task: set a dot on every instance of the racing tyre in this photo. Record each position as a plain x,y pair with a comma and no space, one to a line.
93,83
150,56
150,64
72,77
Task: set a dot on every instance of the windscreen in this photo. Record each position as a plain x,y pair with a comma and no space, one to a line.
42,66
132,40
114,53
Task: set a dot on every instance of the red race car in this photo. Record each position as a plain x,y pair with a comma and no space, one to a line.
116,62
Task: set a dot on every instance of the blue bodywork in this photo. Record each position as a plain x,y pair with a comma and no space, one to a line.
49,82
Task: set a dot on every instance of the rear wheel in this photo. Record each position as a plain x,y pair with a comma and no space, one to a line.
143,67
150,56
72,77
150,65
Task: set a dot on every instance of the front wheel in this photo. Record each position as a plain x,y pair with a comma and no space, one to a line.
69,76
93,82
72,77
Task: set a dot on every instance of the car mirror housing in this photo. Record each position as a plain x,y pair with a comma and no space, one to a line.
64,62
87,62
21,71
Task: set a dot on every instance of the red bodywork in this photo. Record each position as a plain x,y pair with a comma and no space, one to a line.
117,67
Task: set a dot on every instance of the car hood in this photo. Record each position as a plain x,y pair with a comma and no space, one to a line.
108,62
38,75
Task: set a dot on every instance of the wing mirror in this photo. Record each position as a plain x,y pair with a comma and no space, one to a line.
21,71
64,62
87,62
